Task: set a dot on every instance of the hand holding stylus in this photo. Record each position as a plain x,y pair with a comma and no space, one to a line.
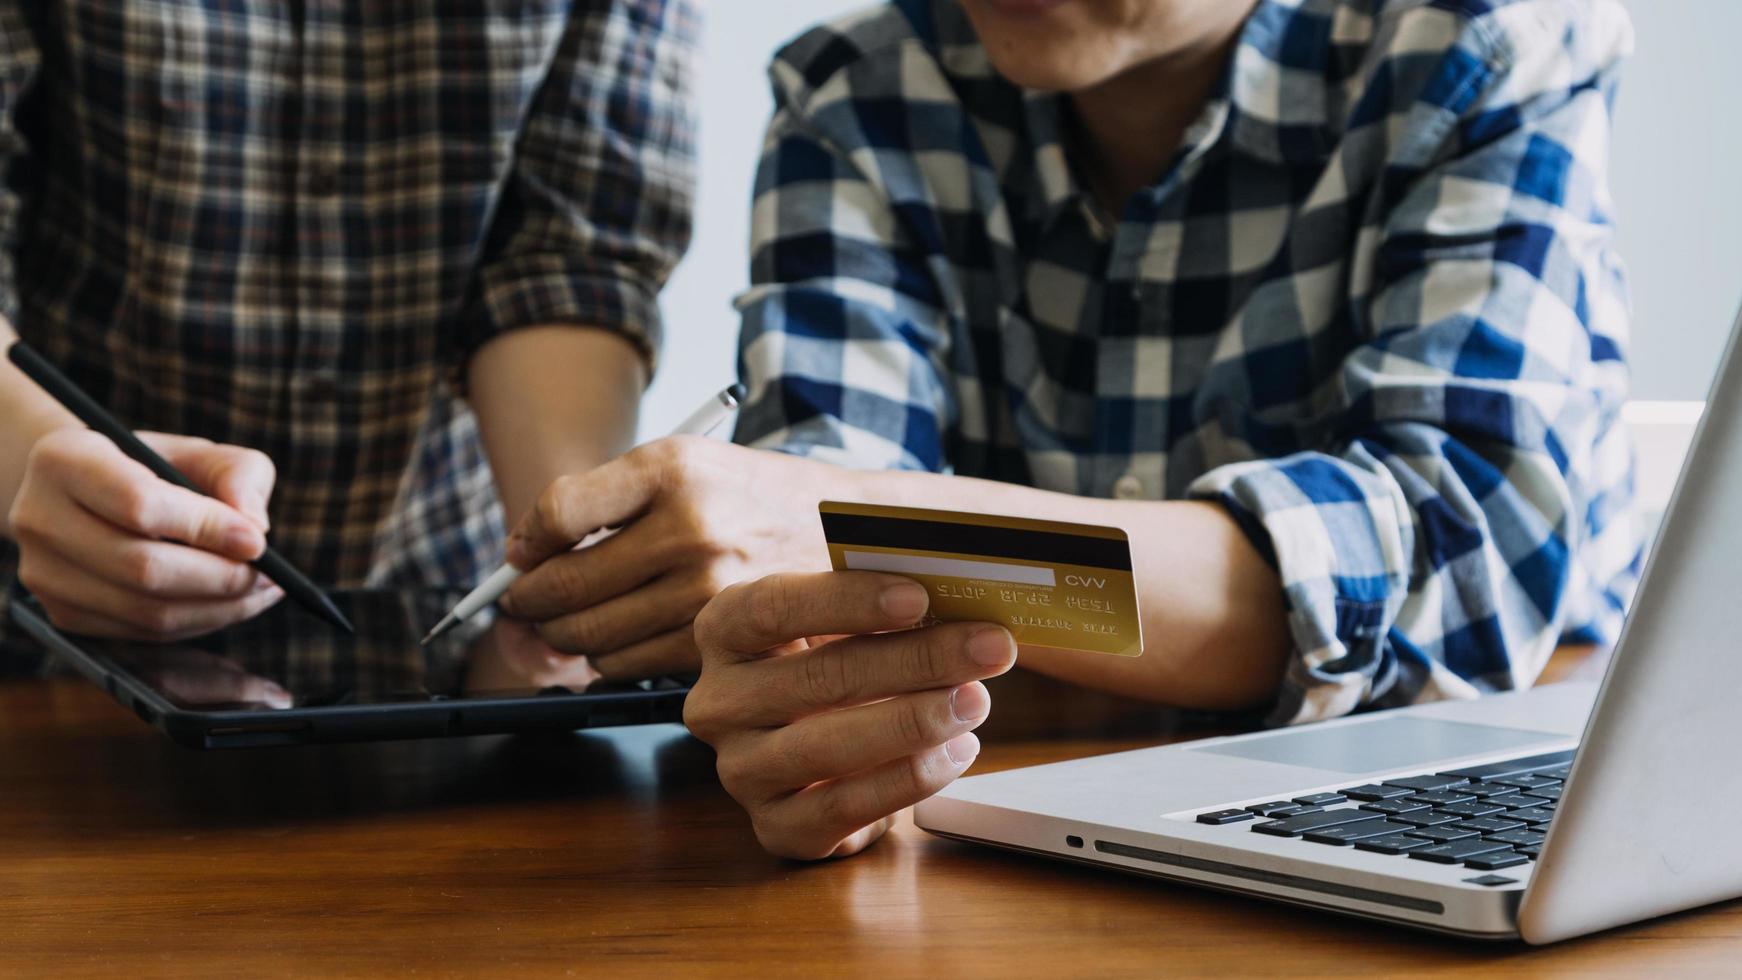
697,515
110,550
142,500
709,417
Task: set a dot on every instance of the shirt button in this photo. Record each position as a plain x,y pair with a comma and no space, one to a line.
1128,487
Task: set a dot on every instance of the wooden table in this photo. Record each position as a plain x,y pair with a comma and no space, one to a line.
611,853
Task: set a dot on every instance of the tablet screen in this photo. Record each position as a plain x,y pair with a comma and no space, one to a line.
287,658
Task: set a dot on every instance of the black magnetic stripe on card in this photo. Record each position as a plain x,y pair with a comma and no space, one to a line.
976,539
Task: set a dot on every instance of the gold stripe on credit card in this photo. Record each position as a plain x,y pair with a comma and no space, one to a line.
1051,583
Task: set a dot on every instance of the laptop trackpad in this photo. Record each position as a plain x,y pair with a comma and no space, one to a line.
1383,743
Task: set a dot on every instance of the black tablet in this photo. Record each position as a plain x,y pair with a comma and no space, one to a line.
288,678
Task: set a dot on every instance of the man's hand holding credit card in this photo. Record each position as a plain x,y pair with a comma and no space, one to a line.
1051,583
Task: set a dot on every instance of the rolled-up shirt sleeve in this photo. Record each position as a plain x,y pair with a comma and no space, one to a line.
19,64
1426,550
597,208
845,334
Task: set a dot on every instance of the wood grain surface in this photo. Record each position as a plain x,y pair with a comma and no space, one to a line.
616,854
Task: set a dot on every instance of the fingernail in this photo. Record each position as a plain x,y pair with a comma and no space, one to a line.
276,697
963,749
905,601
991,647
970,703
243,540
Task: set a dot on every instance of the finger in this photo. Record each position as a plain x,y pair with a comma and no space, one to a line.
672,652
577,580
532,660
121,612
841,743
746,620
191,659
574,506
861,669
862,838
72,618
131,497
657,607
215,685
157,568
240,477
812,823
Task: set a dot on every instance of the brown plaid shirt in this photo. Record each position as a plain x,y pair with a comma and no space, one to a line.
286,224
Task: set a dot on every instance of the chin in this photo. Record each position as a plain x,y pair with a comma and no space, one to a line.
1050,45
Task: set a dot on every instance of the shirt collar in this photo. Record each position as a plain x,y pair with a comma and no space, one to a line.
1259,109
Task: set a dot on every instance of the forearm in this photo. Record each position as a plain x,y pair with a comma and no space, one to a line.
551,401
1214,622
27,414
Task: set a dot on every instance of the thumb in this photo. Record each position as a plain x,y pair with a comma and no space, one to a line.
240,477
574,507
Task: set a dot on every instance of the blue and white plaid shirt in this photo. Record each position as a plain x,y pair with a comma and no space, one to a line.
1373,308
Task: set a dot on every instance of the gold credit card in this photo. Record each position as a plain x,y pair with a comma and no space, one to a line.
1051,583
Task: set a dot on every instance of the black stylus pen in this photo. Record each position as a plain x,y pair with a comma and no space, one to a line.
271,564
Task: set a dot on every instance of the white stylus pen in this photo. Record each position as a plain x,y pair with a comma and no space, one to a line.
701,422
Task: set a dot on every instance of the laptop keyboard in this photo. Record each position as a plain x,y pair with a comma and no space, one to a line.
1485,817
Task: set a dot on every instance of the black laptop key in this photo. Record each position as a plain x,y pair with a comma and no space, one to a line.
1513,800
1530,851
1442,835
1484,790
1551,794
1224,816
1292,810
1496,861
1275,808
1320,799
1531,815
1519,838
1474,808
1526,782
1440,797
1510,767
1426,784
1490,825
1458,851
1371,791
1492,881
1430,818
1394,806
1296,826
1393,844
1350,832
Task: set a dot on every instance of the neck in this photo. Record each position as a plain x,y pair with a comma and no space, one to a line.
1133,123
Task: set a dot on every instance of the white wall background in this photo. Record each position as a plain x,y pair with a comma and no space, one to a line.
701,351
1677,178
1678,186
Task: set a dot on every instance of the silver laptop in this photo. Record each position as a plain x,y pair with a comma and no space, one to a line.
1541,815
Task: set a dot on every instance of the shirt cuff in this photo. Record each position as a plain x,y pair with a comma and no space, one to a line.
534,292
1336,537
